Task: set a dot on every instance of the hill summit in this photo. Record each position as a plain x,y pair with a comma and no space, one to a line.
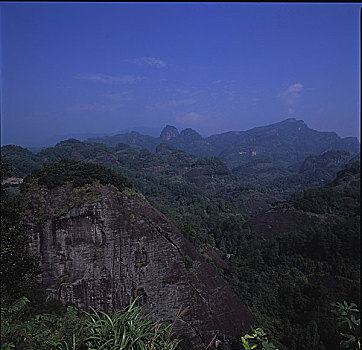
169,132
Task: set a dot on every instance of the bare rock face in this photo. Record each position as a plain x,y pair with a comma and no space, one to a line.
169,132
107,247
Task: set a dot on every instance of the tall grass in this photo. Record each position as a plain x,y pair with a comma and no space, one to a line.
127,329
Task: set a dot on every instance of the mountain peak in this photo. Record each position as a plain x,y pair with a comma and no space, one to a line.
169,132
68,142
190,133
293,121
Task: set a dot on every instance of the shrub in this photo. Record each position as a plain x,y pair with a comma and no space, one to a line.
347,322
129,329
257,340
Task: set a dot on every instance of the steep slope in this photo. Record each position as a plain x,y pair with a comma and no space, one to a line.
299,258
283,219
100,246
316,170
316,205
169,132
265,153
192,142
20,159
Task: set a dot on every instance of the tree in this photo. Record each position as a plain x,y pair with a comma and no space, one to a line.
18,267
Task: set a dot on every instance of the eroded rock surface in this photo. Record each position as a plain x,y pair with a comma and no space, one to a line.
104,251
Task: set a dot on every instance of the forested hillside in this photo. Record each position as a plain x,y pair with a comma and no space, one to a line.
287,239
290,279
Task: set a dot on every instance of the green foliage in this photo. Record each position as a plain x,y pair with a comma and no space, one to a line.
257,340
8,315
81,195
42,331
72,149
21,160
347,322
129,329
316,170
126,329
79,173
18,267
187,261
331,199
132,192
289,281
133,139
92,196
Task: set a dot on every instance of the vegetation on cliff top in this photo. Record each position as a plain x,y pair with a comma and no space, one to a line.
79,173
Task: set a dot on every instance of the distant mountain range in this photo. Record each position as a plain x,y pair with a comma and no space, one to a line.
259,154
285,156
36,144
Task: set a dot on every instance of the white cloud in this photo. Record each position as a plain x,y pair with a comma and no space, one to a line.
95,107
295,88
119,96
321,110
182,91
291,111
110,79
292,94
175,103
189,118
223,81
149,61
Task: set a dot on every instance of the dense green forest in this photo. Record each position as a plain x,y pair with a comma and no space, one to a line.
78,173
288,281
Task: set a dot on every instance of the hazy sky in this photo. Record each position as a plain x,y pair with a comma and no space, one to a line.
99,68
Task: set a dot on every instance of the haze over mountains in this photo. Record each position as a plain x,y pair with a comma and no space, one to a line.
265,154
262,153
51,141
290,132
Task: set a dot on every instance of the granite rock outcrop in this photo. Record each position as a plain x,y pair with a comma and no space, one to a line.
106,247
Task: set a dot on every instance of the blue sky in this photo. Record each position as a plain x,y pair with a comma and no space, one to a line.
100,68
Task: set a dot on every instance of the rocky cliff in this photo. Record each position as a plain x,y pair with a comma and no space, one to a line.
100,247
169,132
